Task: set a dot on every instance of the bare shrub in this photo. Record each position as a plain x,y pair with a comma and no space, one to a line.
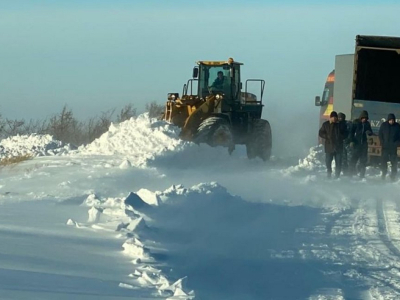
99,125
35,126
127,112
154,109
13,127
65,127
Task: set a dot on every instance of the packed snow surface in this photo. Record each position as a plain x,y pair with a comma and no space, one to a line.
140,214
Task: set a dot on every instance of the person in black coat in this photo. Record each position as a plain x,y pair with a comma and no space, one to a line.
333,135
346,155
360,129
389,136
219,82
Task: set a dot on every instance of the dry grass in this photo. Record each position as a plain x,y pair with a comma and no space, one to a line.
8,161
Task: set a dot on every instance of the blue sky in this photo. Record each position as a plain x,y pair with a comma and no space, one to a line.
96,55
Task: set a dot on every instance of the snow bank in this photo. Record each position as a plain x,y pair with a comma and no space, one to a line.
135,218
34,144
128,217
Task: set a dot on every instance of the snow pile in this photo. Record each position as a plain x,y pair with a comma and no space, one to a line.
314,161
139,139
147,142
34,144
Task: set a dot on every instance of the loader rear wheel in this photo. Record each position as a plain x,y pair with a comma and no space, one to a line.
259,143
214,131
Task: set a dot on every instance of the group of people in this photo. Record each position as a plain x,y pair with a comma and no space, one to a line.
346,142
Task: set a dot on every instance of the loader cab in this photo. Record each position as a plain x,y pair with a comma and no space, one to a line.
219,77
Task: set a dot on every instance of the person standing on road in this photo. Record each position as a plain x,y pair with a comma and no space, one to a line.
360,129
389,136
345,126
333,136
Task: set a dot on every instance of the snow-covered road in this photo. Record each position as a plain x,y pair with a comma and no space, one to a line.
42,258
182,221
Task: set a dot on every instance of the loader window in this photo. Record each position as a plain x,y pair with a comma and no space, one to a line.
219,78
209,79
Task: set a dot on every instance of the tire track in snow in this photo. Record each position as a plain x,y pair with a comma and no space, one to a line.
334,219
383,230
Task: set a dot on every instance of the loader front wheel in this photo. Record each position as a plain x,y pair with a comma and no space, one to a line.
259,143
214,131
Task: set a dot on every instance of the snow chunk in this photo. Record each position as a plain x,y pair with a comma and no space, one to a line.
211,188
174,190
71,222
127,286
126,164
178,290
135,201
136,224
94,215
314,161
149,197
92,200
134,248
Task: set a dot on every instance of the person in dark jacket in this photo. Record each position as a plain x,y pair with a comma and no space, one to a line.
389,136
219,82
333,134
346,155
360,129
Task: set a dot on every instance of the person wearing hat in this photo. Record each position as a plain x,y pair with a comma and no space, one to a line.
346,126
333,135
389,136
360,129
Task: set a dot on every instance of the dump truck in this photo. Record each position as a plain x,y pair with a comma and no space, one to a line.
214,109
367,80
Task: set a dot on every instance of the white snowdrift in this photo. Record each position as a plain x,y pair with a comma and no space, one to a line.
34,144
128,216
140,139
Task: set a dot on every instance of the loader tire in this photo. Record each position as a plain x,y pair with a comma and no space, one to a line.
214,131
259,143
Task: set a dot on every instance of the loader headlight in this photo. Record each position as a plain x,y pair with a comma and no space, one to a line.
219,97
173,96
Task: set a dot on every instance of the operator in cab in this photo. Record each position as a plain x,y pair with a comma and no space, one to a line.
220,82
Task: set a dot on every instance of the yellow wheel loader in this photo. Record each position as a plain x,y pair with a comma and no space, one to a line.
214,110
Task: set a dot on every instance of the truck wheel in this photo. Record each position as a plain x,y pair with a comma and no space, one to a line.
214,131
260,140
